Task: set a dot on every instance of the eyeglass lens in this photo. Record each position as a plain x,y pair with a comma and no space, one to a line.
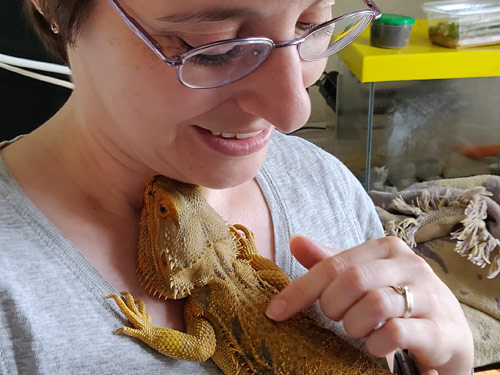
328,40
225,63
218,65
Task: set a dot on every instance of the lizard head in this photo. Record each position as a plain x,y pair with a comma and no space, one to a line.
177,229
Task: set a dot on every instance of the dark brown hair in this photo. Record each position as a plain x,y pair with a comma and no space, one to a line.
68,15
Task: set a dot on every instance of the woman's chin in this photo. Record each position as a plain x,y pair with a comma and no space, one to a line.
230,175
229,179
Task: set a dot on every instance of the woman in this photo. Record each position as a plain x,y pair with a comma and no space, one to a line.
72,189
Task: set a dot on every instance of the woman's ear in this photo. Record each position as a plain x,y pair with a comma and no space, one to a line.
53,25
37,6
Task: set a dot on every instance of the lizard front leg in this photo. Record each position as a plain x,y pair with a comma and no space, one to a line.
266,268
197,344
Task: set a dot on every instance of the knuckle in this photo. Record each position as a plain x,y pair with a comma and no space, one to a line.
375,349
297,292
395,332
426,304
352,328
435,330
394,241
334,266
421,265
327,307
395,244
379,304
358,278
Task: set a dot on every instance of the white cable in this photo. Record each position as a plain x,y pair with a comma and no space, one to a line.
33,64
41,77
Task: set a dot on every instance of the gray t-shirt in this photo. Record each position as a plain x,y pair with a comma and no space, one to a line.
54,318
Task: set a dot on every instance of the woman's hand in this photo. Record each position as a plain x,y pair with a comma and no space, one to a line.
355,286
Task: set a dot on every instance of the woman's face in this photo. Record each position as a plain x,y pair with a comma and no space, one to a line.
135,105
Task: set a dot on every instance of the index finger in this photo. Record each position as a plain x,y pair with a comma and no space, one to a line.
307,289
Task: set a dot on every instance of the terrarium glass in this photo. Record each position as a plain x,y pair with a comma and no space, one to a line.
393,134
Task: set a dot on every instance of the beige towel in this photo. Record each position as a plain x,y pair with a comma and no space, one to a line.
454,224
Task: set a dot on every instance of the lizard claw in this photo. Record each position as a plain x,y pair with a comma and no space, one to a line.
245,241
135,312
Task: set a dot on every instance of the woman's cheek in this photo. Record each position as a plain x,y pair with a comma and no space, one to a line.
312,71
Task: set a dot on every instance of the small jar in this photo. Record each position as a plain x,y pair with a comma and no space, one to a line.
391,31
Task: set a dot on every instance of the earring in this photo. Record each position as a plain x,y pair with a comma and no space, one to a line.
54,28
53,25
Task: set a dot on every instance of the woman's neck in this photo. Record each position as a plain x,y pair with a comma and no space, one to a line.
63,159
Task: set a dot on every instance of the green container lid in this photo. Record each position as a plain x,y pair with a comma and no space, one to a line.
395,19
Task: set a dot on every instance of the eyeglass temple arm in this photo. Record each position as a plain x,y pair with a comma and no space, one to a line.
142,33
371,4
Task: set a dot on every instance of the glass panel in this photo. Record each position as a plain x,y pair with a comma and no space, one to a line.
422,130
351,121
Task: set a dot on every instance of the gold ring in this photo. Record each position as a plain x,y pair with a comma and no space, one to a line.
408,295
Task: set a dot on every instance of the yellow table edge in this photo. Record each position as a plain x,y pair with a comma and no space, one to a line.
421,60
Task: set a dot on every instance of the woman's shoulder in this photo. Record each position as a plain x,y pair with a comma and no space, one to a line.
296,147
13,222
316,190
21,224
296,160
7,188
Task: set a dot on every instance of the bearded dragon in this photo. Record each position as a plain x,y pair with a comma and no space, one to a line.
186,250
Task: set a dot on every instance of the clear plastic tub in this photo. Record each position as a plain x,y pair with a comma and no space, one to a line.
391,31
457,24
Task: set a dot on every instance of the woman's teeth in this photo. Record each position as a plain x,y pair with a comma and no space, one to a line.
237,136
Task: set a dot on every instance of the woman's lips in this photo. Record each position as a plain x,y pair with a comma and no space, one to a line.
233,144
237,136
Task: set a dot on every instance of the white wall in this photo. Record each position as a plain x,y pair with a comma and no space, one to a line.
412,8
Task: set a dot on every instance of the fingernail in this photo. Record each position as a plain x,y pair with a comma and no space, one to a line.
276,309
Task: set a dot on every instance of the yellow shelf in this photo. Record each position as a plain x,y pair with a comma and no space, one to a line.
421,60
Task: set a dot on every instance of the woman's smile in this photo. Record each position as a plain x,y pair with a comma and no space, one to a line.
235,144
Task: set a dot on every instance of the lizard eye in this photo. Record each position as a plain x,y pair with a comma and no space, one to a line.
166,209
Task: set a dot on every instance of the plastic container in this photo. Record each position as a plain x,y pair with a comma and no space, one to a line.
391,31
457,24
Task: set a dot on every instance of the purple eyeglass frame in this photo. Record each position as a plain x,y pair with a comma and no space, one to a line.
373,12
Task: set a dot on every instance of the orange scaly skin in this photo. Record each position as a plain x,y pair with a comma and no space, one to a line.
187,250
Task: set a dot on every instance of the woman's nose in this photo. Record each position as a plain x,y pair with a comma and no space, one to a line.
276,91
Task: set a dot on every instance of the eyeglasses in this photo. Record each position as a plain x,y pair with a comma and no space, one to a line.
227,61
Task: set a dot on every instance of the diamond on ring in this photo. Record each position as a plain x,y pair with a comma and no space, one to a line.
408,295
